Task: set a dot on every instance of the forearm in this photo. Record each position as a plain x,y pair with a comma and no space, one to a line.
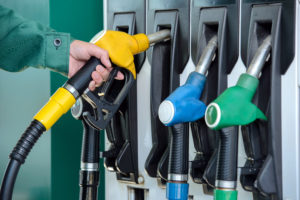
24,43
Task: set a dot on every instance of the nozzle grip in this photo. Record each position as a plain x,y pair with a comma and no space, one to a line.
179,150
80,81
227,154
110,101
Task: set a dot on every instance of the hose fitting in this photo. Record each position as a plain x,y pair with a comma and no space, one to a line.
177,191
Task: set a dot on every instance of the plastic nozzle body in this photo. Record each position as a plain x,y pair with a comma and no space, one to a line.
177,191
234,107
183,105
59,103
122,47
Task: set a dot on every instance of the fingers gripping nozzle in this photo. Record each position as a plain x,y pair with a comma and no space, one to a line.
234,107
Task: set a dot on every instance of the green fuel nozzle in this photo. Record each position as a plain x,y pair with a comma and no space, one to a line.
234,106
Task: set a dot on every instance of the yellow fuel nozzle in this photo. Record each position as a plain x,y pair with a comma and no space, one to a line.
122,46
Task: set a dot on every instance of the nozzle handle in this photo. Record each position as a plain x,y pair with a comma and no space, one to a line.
227,158
80,81
108,98
179,153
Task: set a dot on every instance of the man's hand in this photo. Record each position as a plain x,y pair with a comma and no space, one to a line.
81,52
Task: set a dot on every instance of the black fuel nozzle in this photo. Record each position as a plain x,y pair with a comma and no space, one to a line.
107,99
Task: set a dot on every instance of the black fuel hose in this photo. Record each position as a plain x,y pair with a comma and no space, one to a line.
89,175
10,179
90,144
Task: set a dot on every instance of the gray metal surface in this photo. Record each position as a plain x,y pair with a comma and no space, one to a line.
177,177
290,83
72,90
89,166
225,184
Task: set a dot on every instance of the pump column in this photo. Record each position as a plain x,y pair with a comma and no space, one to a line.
232,108
167,61
122,154
262,173
211,18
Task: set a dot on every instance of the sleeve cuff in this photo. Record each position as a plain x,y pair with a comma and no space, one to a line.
57,52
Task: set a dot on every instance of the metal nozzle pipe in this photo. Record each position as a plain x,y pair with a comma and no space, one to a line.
259,58
207,55
159,36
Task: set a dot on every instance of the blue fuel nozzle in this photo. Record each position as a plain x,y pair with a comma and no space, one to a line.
183,105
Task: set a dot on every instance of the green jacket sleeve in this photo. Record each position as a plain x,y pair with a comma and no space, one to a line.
25,43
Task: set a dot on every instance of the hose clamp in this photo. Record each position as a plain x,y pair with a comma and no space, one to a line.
177,177
72,90
89,166
225,184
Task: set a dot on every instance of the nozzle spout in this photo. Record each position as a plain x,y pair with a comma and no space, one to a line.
260,58
207,56
159,36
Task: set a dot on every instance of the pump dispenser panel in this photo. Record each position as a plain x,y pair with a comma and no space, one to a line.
167,60
218,18
127,16
262,172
